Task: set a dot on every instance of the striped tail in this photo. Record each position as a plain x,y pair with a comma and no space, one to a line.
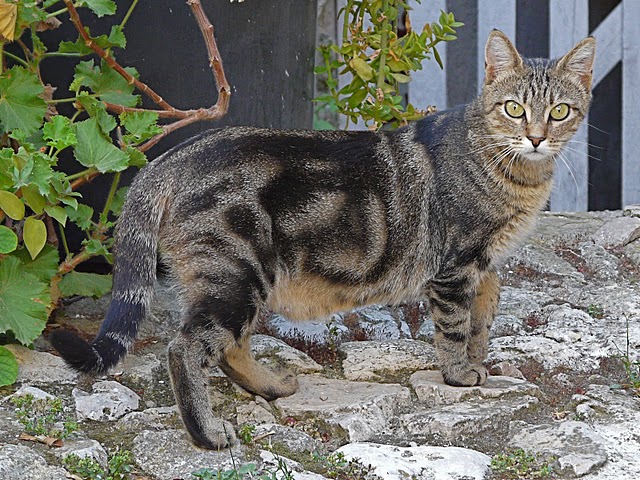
133,285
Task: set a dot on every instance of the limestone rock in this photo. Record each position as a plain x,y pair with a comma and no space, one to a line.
289,438
83,448
156,418
381,322
567,227
18,462
521,303
363,410
632,211
35,392
469,423
618,232
109,401
422,462
544,261
168,454
265,347
373,360
506,369
506,325
578,448
603,264
41,368
432,391
317,331
139,370
254,414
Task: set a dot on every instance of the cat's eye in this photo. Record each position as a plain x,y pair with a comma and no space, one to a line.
560,111
514,109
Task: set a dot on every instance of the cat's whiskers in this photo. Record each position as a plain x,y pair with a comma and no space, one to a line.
575,150
586,143
567,164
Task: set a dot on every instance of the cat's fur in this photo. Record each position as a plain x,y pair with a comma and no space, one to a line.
309,223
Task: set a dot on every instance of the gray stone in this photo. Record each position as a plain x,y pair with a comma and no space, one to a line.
18,462
521,303
139,369
632,211
254,414
267,348
373,360
421,462
578,448
567,227
164,317
544,261
157,418
363,410
109,401
168,454
41,368
632,252
290,438
426,331
432,391
317,331
618,232
35,392
603,264
506,369
506,325
470,423
380,322
83,448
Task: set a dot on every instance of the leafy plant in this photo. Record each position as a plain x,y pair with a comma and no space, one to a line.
100,126
337,467
41,416
596,311
119,466
379,59
246,433
519,464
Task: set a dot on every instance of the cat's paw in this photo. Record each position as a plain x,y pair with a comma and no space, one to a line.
282,385
470,376
219,434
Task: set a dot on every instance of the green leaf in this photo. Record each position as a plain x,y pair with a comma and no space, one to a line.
85,284
97,110
136,157
21,103
11,205
23,301
81,215
362,68
401,78
34,199
43,267
116,37
75,47
94,150
101,7
8,240
108,84
59,133
8,367
34,235
140,126
357,98
57,212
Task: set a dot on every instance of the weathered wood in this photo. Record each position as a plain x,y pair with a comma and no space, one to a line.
609,46
500,14
429,85
630,102
568,24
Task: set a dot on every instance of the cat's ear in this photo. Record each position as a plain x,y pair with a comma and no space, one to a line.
500,56
579,61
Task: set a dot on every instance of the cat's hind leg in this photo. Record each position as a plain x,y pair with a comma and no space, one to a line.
239,365
483,311
451,301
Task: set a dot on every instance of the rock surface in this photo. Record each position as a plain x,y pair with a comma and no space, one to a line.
570,305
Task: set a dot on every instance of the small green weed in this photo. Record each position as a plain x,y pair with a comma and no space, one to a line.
337,467
39,417
520,465
246,472
246,433
596,311
119,466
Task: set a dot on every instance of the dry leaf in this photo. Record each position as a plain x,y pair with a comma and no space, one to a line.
49,24
47,97
48,441
8,16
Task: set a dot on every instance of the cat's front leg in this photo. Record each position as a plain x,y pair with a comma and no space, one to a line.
451,304
483,311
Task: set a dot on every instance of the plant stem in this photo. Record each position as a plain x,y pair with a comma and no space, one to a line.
62,54
16,58
83,173
128,14
384,36
112,194
345,27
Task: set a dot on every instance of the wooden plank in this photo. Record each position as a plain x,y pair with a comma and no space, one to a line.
429,85
609,48
568,24
500,14
630,102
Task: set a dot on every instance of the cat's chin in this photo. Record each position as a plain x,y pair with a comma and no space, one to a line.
535,156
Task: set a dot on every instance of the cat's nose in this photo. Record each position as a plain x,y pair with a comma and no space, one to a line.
536,141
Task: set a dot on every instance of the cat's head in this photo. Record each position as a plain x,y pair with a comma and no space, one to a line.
534,106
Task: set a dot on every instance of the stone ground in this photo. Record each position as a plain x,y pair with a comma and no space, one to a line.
369,386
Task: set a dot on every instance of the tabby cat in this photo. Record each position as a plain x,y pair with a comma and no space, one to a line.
309,223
